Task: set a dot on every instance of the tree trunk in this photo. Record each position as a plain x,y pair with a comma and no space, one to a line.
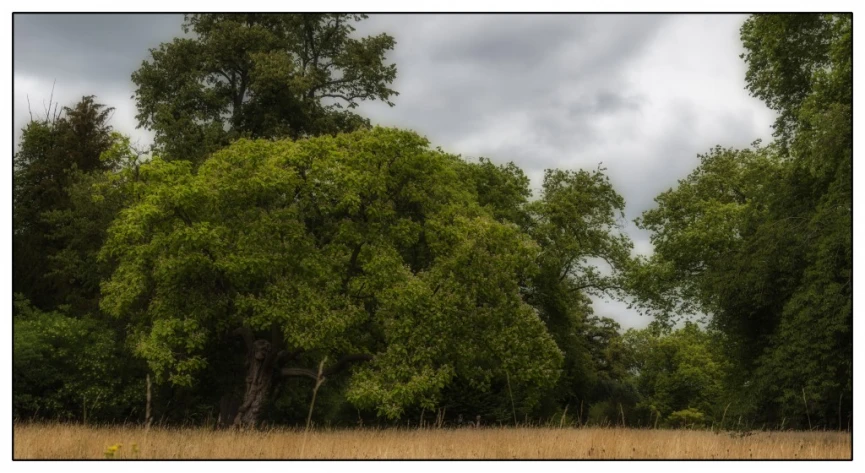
259,377
148,418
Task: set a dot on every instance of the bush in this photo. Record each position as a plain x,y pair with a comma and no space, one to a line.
687,418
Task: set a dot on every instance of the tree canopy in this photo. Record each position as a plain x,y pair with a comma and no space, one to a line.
362,243
259,76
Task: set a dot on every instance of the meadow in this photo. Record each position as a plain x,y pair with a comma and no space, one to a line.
67,441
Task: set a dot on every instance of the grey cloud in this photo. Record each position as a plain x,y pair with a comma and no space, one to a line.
488,65
103,48
508,42
606,102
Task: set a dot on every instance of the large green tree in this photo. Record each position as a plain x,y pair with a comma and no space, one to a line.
259,76
577,222
361,247
761,240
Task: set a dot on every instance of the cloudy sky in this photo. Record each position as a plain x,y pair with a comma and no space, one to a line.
642,94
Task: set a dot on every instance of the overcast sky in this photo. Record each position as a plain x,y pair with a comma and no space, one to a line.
642,94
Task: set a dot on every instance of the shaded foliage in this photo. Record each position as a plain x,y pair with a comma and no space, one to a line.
53,154
761,239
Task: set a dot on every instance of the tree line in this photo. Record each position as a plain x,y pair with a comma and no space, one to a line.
275,258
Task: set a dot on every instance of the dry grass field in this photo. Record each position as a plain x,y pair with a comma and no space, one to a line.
44,441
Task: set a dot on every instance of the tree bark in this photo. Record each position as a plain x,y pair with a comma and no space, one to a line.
261,358
259,378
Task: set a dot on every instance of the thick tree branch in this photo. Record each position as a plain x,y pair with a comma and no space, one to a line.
347,98
599,287
567,269
300,372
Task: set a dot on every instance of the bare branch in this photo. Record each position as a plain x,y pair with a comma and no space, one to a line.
349,98
50,101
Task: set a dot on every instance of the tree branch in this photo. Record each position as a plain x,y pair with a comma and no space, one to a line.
349,98
567,269
300,372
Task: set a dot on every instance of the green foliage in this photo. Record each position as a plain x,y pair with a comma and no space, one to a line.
576,224
687,418
366,242
259,76
578,220
760,239
64,365
677,370
583,252
53,153
603,413
698,227
792,56
503,189
68,358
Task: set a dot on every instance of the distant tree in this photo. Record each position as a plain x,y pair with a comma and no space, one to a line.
68,358
259,76
679,375
577,223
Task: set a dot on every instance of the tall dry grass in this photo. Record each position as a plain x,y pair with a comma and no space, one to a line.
43,441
